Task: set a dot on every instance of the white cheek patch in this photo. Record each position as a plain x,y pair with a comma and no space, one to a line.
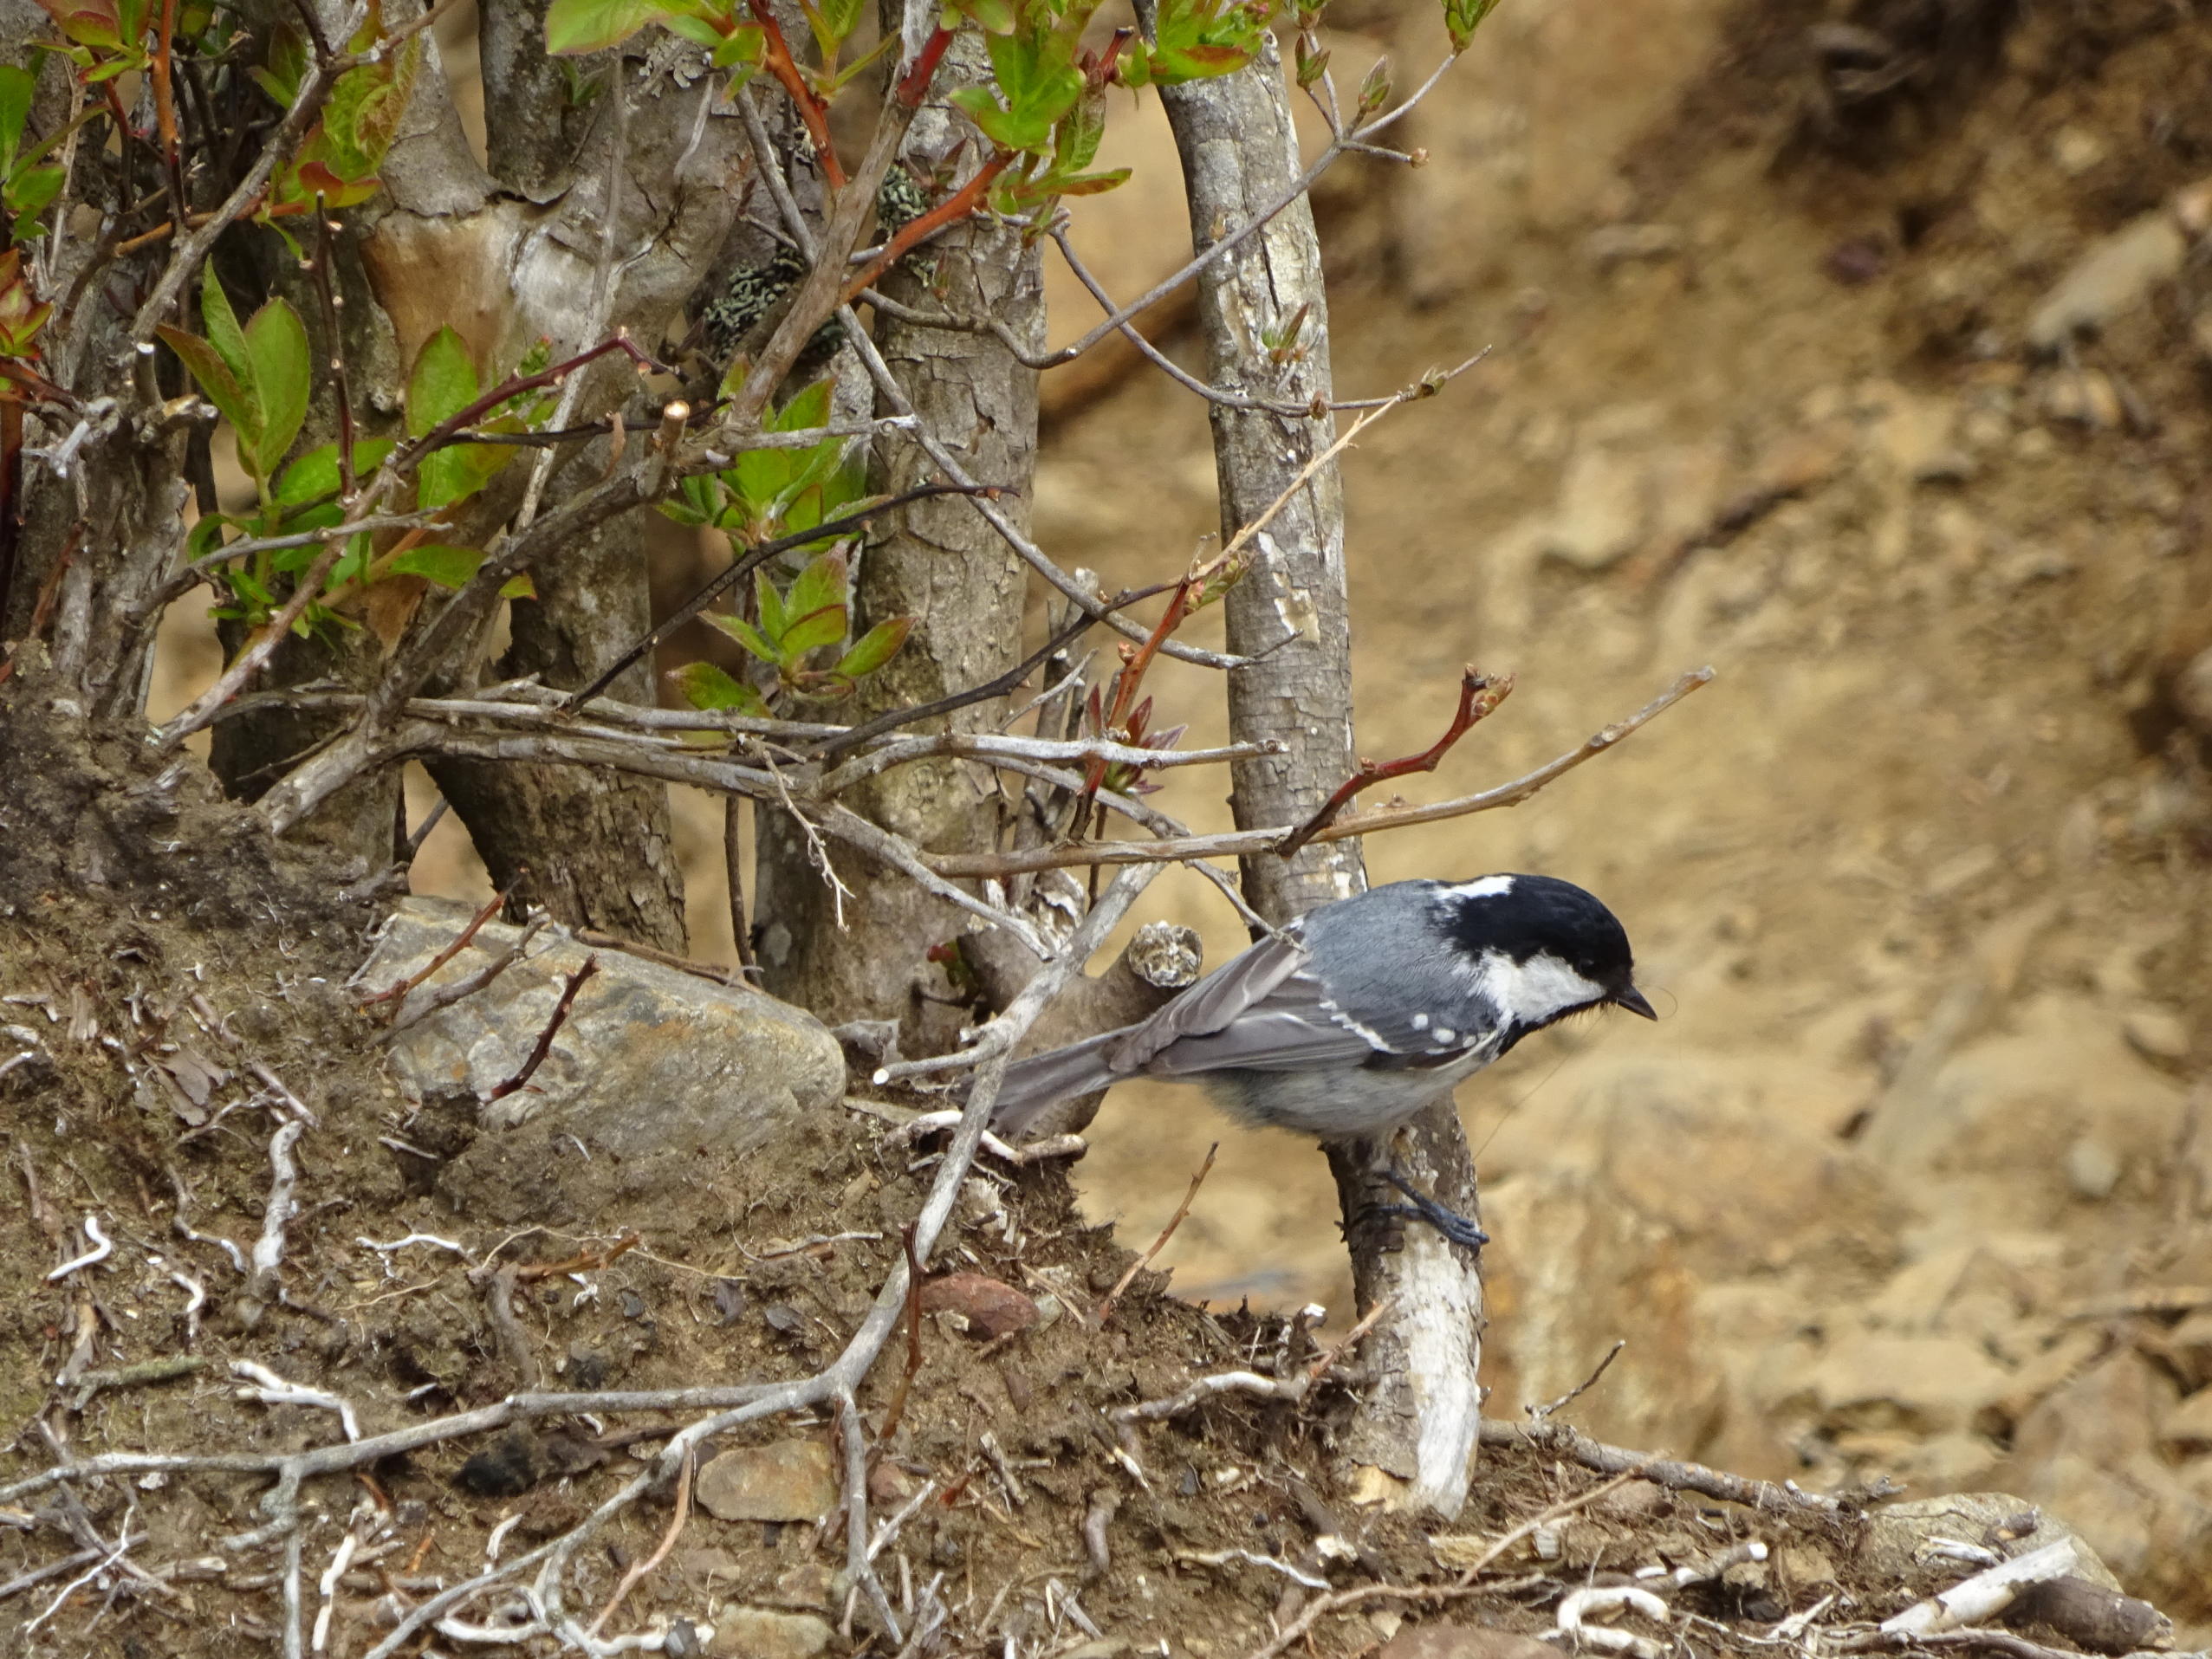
1533,992
1487,887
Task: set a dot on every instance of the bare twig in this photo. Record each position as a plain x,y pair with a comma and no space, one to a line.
1479,697
544,1045
283,1205
1563,1440
417,1009
1106,1308
640,1570
399,988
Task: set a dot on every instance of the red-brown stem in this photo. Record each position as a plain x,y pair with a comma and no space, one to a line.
953,207
914,85
780,64
326,288
164,104
1132,677
552,1029
402,987
1479,695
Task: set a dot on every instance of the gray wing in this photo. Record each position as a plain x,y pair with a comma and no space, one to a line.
1391,995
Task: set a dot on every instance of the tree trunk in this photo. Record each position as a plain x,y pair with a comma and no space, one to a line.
1414,1440
945,567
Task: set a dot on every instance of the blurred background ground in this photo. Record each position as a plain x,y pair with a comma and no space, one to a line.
1910,1178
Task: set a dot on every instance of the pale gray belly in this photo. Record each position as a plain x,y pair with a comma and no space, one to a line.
1335,1105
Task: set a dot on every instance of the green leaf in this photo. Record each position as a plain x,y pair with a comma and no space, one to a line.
447,566
206,535
1462,18
221,325
806,411
16,87
442,383
1374,90
992,16
31,188
744,632
774,617
220,386
314,476
573,27
875,648
286,65
519,587
1090,184
705,686
1076,144
277,341
822,584
814,630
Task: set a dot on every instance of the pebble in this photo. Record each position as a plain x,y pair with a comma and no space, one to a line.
786,1479
2112,278
989,1307
2092,1169
762,1633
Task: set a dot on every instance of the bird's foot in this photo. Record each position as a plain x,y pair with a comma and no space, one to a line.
1454,1226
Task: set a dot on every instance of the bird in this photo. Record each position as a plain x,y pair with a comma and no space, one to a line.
1351,1018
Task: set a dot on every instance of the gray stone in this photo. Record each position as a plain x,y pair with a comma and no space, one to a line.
2113,277
1895,1533
786,1480
654,1066
763,1633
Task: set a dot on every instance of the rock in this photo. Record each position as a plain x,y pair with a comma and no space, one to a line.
1455,1639
1926,1385
786,1480
2112,277
2092,1169
1895,1533
2090,1453
653,1065
991,1309
1602,510
1613,244
2157,1034
2188,1427
763,1633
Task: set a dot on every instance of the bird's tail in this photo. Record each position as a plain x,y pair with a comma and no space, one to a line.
1045,1080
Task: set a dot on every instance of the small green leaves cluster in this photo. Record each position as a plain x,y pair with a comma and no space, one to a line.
28,182
733,43
1195,39
103,38
1462,18
770,493
764,496
811,616
22,314
337,162
258,377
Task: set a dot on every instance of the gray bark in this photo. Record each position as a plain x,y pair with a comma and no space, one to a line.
945,566
1414,1441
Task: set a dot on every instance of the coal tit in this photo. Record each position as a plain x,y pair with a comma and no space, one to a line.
1355,1017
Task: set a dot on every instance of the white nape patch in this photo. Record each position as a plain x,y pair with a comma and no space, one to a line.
1533,992
1487,887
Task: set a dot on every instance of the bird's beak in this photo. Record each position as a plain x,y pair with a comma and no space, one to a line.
1632,999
